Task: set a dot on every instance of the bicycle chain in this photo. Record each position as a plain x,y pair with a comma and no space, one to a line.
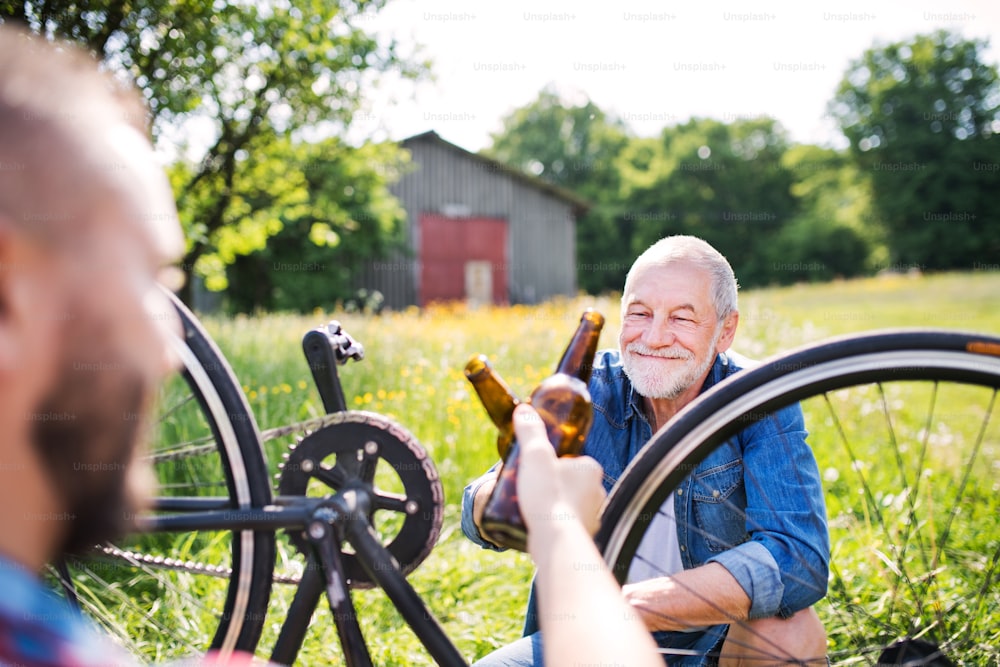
159,562
301,429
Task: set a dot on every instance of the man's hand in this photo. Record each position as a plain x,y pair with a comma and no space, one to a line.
551,490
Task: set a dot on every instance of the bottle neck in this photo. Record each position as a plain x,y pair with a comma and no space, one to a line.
493,392
578,359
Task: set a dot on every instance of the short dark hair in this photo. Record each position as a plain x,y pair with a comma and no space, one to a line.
54,104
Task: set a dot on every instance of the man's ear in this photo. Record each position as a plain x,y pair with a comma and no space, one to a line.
25,301
728,332
8,337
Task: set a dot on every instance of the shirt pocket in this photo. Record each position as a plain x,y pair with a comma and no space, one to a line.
718,500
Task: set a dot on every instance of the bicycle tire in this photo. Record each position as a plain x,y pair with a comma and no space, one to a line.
231,447
875,359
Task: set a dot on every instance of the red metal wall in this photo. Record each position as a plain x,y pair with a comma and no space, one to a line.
446,244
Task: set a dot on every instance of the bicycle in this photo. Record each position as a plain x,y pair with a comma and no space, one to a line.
210,546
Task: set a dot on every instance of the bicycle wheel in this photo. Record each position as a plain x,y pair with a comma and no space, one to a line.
904,427
169,595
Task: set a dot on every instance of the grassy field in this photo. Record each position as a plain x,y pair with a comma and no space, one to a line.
413,374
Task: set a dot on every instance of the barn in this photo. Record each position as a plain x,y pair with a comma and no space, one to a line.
477,231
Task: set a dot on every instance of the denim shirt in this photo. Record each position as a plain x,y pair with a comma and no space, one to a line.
755,504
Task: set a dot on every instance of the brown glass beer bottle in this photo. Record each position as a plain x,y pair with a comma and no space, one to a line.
496,397
563,402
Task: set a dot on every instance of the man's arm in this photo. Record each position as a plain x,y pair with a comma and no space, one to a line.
781,568
784,565
583,617
701,596
473,501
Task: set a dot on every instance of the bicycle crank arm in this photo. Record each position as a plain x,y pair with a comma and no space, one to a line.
323,535
384,570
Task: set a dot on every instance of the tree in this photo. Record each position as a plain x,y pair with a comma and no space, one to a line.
574,146
291,273
922,117
829,237
724,183
257,76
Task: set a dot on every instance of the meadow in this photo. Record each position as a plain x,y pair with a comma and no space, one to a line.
412,373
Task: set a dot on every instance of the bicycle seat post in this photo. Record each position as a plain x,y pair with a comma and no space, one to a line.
324,350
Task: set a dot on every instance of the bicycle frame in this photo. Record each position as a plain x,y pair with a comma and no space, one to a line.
345,515
328,522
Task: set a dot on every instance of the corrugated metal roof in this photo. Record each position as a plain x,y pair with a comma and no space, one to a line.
579,204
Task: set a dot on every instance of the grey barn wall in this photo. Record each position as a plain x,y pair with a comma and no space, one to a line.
541,238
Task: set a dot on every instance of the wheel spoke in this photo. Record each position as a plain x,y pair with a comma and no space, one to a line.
907,442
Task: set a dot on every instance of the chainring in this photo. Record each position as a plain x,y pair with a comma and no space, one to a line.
357,449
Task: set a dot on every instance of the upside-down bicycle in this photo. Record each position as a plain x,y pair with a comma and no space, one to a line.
904,425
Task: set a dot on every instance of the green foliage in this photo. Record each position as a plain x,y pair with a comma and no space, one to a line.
574,145
922,117
828,238
569,145
256,78
351,216
724,183
780,214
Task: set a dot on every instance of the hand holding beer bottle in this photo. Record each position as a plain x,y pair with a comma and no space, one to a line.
562,401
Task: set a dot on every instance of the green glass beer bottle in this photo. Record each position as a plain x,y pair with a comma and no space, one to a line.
563,402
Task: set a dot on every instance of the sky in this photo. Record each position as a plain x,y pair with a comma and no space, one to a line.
651,63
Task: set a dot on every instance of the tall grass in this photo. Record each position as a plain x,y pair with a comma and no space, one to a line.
412,373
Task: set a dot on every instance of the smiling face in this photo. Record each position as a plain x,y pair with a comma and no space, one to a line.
670,332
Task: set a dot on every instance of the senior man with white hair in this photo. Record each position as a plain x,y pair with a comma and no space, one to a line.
740,552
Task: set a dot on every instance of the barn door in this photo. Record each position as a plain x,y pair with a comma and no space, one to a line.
478,282
463,259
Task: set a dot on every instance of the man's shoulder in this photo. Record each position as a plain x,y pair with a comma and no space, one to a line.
726,364
788,417
737,361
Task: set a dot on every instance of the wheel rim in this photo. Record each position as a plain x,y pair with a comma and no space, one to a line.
960,608
168,596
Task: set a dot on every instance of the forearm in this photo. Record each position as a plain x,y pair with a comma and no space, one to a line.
575,586
702,596
473,499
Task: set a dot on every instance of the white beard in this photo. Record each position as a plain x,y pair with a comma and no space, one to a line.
649,379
